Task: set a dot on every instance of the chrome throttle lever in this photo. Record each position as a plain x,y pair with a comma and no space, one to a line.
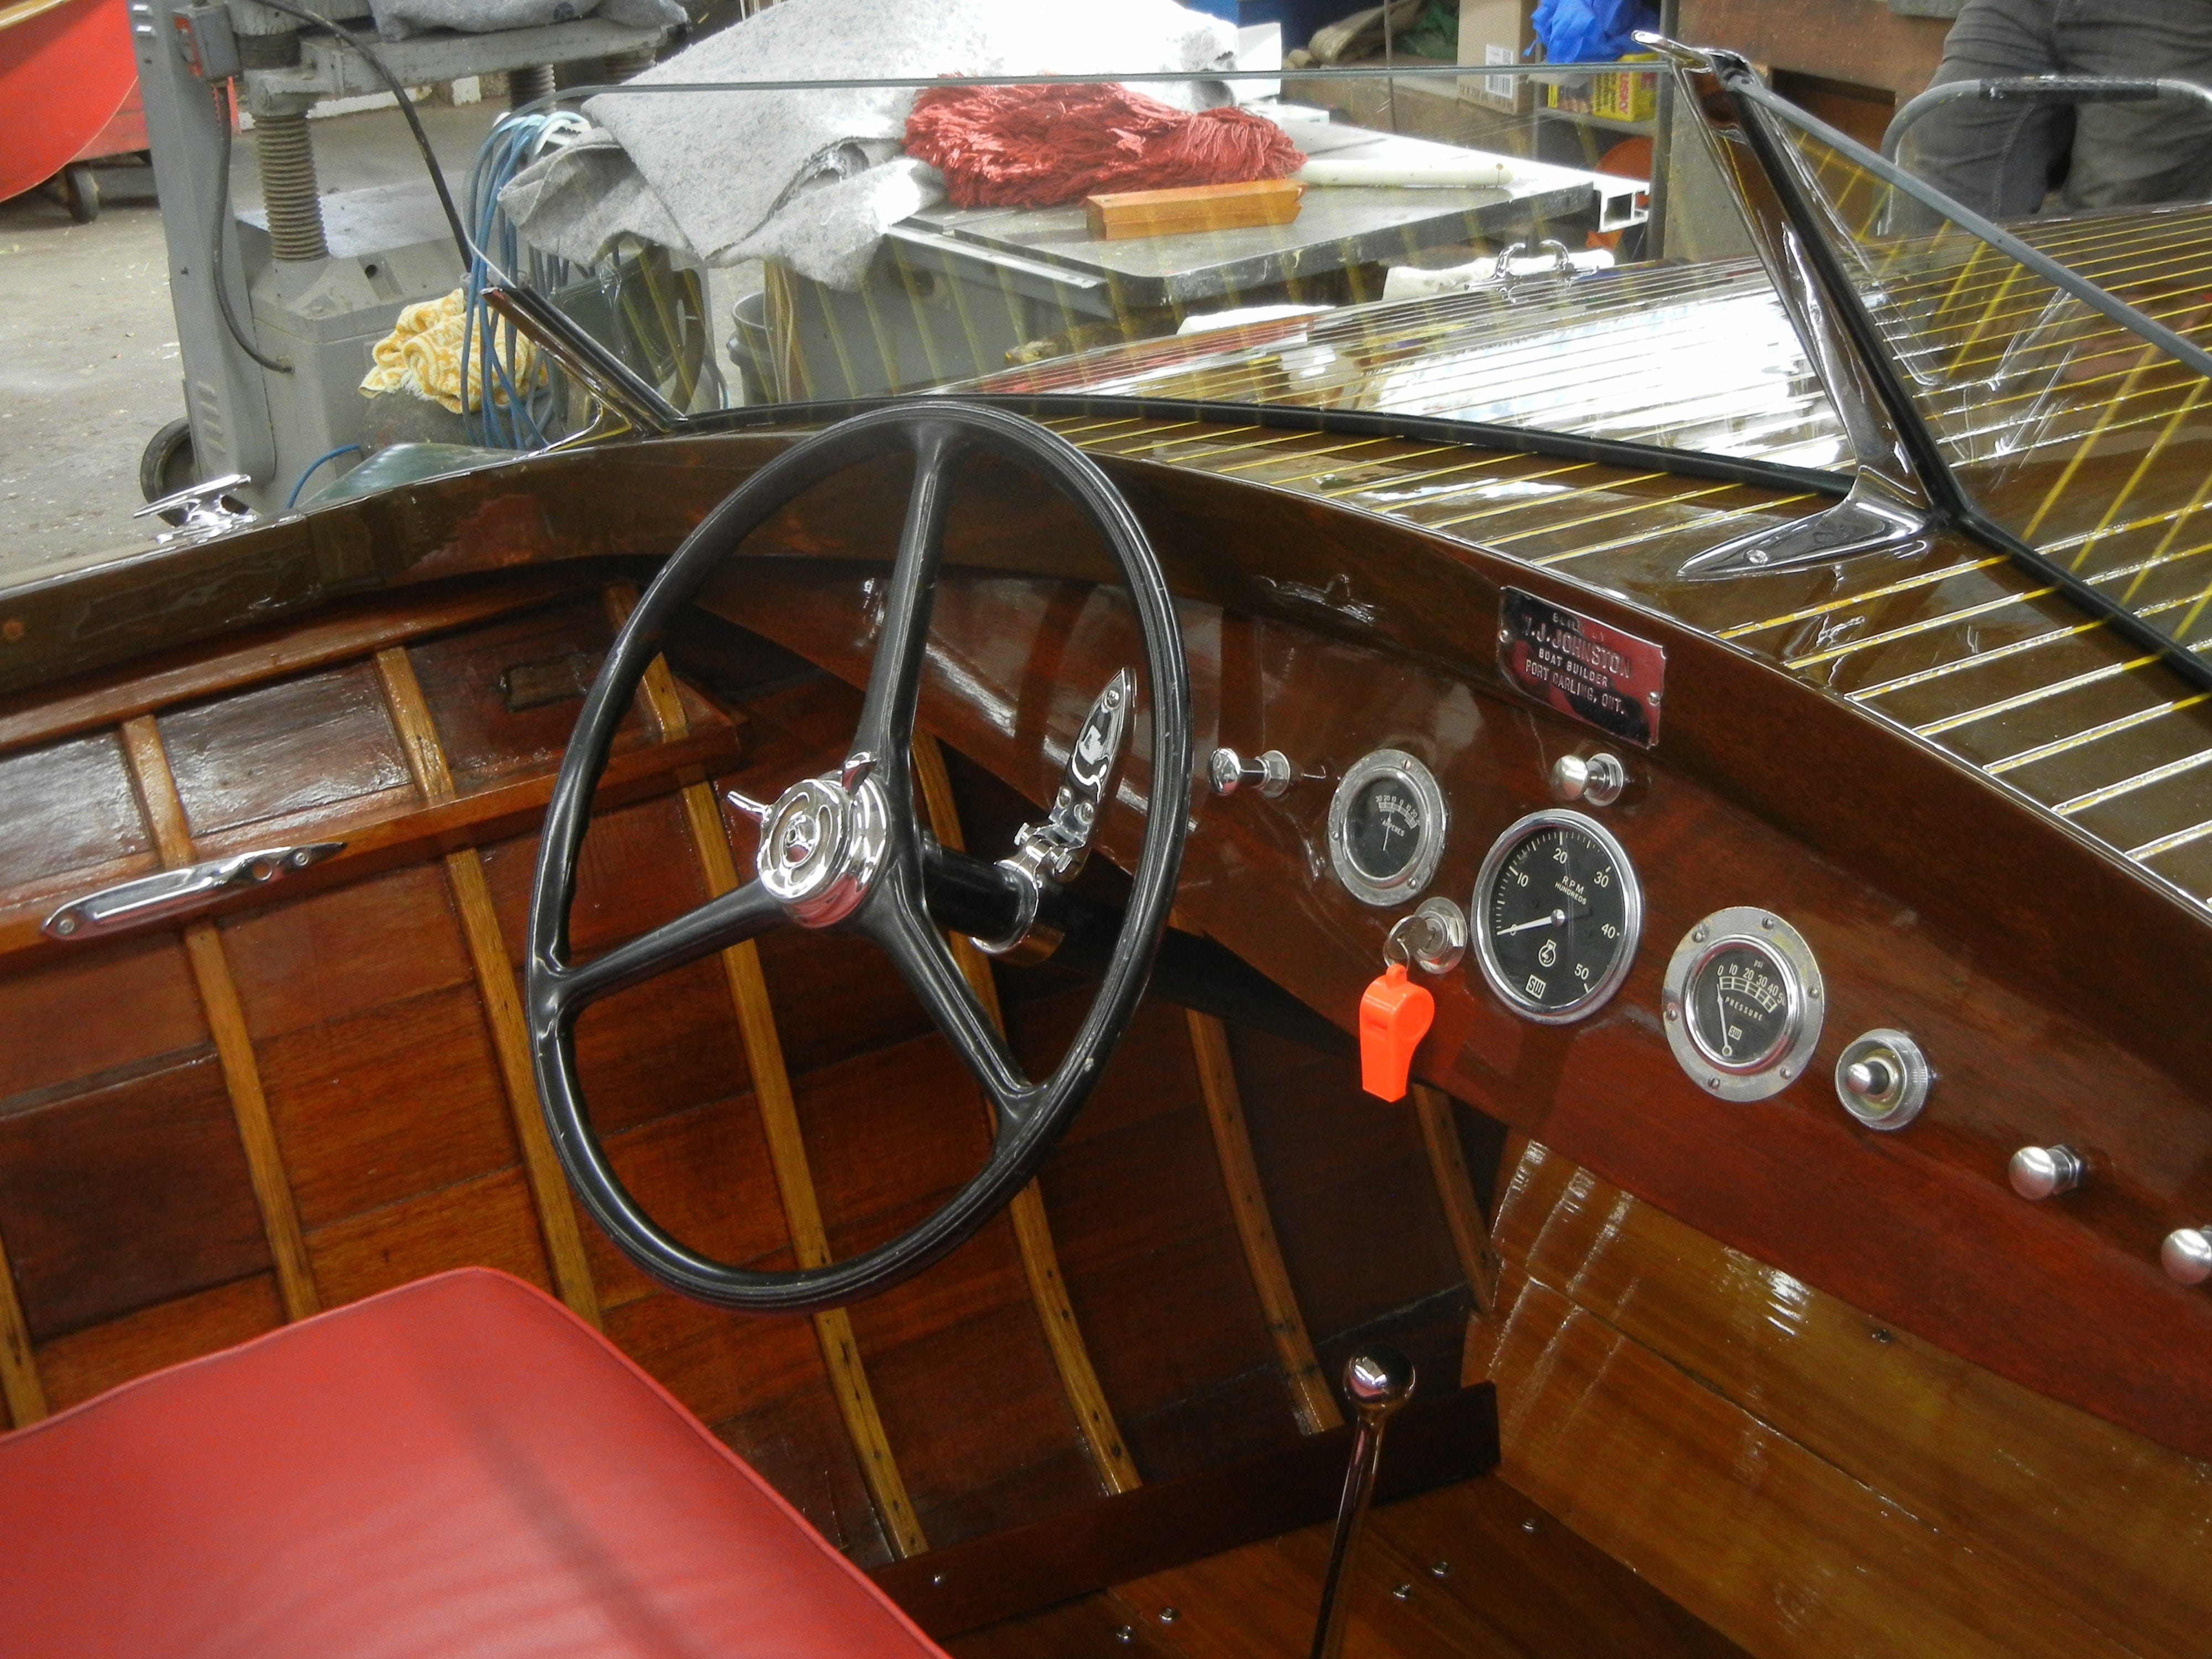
1054,850
1378,1381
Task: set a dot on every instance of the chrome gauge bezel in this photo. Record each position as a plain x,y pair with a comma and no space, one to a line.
1785,1061
1436,823
1632,911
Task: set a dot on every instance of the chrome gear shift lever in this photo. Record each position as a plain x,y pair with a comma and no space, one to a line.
1378,1381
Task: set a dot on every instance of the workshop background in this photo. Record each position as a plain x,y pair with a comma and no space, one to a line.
92,399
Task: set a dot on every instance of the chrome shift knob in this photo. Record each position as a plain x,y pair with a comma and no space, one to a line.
1378,1381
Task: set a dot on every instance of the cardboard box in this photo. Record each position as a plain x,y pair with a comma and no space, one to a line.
1614,95
1493,32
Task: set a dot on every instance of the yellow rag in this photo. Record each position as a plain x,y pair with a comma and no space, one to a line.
422,355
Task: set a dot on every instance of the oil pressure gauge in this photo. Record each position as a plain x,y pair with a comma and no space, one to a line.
1743,1003
1556,914
1386,828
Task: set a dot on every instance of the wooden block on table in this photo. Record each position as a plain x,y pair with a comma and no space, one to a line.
1128,213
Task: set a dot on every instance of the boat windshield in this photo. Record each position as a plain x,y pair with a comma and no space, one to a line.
2072,415
1429,245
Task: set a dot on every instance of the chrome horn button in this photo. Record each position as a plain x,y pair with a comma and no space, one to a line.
821,846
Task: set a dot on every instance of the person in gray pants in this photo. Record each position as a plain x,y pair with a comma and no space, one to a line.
2004,159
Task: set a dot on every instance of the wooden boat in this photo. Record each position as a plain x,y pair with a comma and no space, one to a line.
1785,1358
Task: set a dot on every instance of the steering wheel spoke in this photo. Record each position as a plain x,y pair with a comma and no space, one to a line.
900,926
741,914
895,682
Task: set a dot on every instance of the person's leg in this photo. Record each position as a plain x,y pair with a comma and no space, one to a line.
2128,154
1995,158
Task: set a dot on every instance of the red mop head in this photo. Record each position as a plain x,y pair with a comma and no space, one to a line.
1039,146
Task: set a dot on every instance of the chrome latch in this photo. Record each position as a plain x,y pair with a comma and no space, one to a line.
209,509
173,893
1055,849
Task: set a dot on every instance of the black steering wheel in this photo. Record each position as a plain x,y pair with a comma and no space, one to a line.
847,850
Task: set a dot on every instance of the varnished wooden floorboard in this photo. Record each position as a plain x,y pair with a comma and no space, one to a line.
1473,1570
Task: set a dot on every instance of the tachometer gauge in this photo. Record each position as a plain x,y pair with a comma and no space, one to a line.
1386,828
1743,1003
1556,914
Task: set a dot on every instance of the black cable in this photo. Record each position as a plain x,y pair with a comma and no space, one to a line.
275,365
375,61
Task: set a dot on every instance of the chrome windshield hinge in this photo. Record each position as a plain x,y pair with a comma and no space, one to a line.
1054,850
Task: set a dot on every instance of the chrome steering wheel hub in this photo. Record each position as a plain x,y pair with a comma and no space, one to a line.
821,847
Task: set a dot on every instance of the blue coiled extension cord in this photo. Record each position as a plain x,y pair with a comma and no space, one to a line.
517,141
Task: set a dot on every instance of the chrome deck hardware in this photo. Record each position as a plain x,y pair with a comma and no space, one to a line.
176,893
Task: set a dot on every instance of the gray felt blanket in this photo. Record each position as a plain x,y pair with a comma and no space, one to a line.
816,178
398,19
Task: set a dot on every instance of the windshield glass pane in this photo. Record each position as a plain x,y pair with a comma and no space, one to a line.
1464,247
2071,432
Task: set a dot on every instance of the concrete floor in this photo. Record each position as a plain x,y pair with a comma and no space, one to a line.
88,363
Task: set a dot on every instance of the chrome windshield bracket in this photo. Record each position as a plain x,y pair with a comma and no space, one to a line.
176,893
1892,474
1874,518
1054,850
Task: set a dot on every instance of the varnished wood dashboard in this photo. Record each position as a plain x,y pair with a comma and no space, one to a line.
2059,998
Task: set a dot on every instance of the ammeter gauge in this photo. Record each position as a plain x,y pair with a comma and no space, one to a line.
1386,828
1743,1003
1557,912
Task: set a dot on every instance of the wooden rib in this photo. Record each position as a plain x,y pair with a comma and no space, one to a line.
488,955
1470,1233
794,1183
786,1147
20,1390
264,1159
1311,1397
1079,1380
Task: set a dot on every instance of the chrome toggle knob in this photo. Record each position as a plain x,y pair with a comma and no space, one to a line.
1869,1079
2040,1172
1882,1079
2186,1255
1269,773
1598,780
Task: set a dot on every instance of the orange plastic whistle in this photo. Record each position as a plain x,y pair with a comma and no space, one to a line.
1394,1018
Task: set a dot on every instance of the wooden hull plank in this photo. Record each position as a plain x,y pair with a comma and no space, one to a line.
1807,1479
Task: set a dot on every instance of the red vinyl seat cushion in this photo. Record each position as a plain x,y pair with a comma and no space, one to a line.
457,1469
